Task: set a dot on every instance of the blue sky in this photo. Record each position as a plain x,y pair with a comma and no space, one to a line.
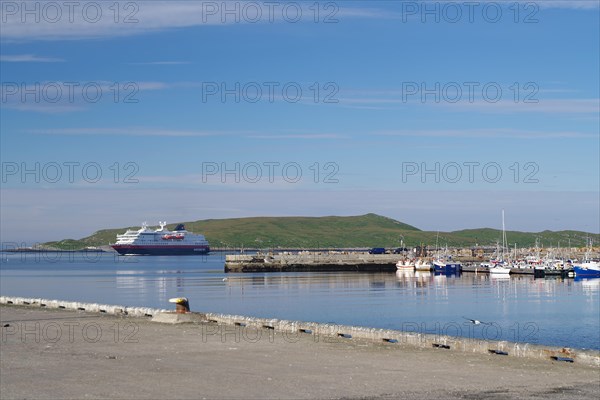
432,113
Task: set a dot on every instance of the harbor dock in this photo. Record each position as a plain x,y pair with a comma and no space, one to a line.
349,261
311,261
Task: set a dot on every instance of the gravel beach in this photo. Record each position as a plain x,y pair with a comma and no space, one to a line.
48,353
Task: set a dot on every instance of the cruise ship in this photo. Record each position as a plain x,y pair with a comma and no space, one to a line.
161,242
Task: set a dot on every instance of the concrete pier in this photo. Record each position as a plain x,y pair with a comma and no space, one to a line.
347,261
311,261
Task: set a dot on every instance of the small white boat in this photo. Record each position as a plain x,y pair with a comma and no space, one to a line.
422,265
499,270
405,265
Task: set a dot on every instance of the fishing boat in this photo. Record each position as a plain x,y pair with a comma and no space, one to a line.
443,264
587,269
447,267
422,265
406,264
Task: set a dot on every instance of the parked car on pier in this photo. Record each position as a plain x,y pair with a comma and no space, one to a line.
377,250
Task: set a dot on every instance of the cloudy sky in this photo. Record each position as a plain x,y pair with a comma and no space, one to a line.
438,114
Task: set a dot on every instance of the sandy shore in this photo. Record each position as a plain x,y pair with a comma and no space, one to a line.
65,354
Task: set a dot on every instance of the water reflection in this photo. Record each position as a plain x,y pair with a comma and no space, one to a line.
590,286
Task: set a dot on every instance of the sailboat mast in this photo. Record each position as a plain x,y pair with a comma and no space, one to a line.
503,236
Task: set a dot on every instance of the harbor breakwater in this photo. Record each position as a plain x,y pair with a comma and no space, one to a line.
311,261
245,326
346,261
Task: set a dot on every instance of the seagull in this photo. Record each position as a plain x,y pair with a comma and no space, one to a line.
476,321
224,279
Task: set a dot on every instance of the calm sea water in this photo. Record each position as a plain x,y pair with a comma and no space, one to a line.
520,309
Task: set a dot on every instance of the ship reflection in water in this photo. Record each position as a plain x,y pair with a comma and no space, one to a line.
559,312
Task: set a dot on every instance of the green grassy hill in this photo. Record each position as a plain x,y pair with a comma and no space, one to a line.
368,230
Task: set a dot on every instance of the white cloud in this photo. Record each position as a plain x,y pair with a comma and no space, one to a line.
79,22
486,133
300,136
28,58
57,97
87,21
145,131
131,131
565,4
73,21
574,4
161,63
551,106
503,102
44,108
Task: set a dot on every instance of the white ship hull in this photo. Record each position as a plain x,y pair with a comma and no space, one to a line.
146,250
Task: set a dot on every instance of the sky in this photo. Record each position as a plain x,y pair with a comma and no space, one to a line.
437,114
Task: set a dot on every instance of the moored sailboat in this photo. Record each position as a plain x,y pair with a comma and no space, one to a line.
501,267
